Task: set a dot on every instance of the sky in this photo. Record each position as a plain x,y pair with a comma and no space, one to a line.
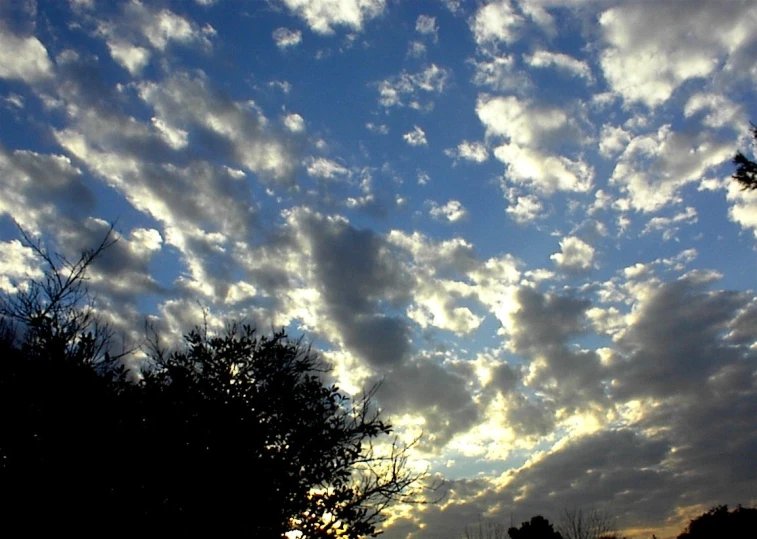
518,214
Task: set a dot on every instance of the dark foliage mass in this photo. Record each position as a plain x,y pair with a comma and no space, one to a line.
740,523
536,528
746,169
231,434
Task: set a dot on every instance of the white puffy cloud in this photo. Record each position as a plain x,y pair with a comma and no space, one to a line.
18,263
285,38
322,16
545,172
575,255
294,122
451,212
532,131
184,102
520,121
499,72
564,62
416,137
653,167
320,167
131,57
470,151
23,58
495,22
525,209
652,50
743,208
613,140
719,111
139,25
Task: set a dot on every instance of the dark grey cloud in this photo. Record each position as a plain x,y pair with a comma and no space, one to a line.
545,325
360,277
442,396
676,341
40,189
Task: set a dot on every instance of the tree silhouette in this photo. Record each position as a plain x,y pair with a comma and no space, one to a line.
746,169
719,522
234,433
537,528
485,530
594,524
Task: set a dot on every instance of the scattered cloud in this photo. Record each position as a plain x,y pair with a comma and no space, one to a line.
416,137
560,61
575,255
286,38
451,212
322,16
469,151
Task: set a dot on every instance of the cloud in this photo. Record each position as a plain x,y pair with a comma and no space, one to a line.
322,16
655,166
526,209
416,137
533,133
285,38
495,22
426,25
131,57
23,58
354,270
139,29
563,62
190,102
719,110
425,388
320,167
403,89
294,122
381,129
670,225
18,263
451,212
575,255
500,74
651,50
613,140
40,190
475,152
744,207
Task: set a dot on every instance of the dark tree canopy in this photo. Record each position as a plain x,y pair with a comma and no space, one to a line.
746,169
235,433
537,528
740,523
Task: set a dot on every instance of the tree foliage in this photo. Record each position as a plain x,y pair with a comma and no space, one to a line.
536,528
740,523
232,433
746,169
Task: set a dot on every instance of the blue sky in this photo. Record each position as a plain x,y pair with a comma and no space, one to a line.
516,213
